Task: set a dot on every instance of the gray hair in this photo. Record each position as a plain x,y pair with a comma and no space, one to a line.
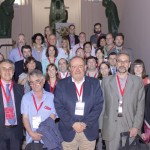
9,62
123,53
36,73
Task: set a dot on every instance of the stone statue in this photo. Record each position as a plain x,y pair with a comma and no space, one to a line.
58,13
6,16
112,16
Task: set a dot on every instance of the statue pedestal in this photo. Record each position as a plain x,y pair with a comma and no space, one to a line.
5,50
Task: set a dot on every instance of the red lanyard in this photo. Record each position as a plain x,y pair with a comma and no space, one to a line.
111,48
52,88
81,90
4,91
37,108
65,76
50,60
121,90
94,75
19,52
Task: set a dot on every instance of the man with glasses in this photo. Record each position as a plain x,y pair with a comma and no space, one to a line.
78,101
123,104
10,101
36,106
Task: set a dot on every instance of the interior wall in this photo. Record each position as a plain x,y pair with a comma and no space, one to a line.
135,25
22,22
92,12
41,14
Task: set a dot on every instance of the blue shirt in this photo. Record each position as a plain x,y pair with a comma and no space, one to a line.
16,55
28,108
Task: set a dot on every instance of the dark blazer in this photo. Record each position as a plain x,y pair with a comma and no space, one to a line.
65,100
19,68
76,39
17,131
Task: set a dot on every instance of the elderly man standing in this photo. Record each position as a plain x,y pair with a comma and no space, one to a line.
78,102
36,106
10,116
123,103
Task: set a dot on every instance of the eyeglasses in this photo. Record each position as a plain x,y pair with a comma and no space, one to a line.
37,82
123,62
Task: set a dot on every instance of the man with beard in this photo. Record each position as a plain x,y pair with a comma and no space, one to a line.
123,104
19,65
119,41
98,33
16,54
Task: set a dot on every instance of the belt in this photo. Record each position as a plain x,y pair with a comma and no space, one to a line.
11,126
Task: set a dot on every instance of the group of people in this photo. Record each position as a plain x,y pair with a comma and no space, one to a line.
91,90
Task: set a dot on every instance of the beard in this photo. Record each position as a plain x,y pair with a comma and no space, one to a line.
122,69
97,32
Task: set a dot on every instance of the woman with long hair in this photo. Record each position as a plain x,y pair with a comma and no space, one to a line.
51,57
139,70
51,78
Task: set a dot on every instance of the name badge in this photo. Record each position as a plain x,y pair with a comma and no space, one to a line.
120,107
79,109
36,120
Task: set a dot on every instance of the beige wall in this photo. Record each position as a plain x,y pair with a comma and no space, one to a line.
41,15
92,12
135,25
22,22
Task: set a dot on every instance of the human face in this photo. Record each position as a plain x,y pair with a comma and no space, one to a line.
52,72
48,32
72,30
52,40
91,64
82,38
62,65
31,66
119,41
6,71
123,63
138,70
104,70
80,53
109,39
77,69
21,40
102,42
38,40
97,29
26,53
99,54
112,60
36,83
64,44
51,51
88,48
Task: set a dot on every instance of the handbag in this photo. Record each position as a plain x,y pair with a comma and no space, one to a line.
35,146
137,144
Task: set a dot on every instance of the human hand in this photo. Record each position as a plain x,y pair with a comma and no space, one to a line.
35,136
79,127
133,132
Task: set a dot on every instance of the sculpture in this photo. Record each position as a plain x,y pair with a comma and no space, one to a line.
6,16
58,14
112,16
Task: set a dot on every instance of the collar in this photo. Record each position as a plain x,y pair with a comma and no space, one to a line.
80,82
